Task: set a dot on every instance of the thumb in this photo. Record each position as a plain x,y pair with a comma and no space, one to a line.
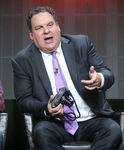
51,98
91,71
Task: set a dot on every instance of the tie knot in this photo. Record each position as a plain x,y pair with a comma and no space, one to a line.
53,53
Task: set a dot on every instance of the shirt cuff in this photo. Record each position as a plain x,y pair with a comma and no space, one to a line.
46,113
102,80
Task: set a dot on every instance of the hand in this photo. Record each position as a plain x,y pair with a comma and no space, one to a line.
95,80
57,111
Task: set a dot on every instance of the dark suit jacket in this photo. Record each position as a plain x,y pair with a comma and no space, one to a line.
32,85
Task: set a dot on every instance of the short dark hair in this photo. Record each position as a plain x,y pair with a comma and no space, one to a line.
36,10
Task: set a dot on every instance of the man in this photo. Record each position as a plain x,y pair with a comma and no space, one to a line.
87,79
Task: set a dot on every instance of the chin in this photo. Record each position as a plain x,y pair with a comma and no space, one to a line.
51,49
48,50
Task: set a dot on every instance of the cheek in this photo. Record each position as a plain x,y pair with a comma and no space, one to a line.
58,35
38,38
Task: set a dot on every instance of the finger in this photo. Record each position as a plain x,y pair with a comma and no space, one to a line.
87,82
91,69
95,84
56,109
51,98
92,73
91,84
49,104
58,113
90,88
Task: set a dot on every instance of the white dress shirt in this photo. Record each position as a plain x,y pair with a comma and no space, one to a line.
84,109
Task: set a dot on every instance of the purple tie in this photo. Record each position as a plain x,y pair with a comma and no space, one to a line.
69,125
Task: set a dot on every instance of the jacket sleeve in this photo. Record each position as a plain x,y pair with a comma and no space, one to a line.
27,103
95,60
91,57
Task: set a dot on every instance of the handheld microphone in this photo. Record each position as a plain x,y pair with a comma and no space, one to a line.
56,71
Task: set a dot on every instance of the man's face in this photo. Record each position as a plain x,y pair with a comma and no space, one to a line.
45,32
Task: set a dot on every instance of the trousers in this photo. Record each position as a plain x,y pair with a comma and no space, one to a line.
103,133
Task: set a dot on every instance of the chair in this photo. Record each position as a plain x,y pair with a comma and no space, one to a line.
3,116
119,117
4,127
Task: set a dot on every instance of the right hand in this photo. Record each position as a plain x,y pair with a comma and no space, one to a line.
57,111
95,80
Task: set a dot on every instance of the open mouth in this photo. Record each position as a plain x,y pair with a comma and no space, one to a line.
48,39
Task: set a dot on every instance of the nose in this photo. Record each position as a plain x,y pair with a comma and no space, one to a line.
46,30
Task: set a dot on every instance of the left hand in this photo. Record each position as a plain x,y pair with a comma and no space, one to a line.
57,111
95,80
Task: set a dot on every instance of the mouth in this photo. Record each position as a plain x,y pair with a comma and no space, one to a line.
48,40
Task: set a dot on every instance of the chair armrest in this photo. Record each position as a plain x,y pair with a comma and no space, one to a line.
122,123
4,126
29,126
122,129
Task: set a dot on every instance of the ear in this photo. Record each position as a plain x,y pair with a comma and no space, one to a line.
57,24
30,35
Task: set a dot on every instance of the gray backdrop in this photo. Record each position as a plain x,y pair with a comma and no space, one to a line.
102,20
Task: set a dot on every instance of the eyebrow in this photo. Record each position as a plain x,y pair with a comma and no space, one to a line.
39,26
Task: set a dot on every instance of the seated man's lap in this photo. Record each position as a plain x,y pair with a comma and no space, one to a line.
54,130
96,128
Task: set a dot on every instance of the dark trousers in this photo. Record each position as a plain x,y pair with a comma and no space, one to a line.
104,133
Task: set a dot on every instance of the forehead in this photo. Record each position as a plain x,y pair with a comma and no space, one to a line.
42,18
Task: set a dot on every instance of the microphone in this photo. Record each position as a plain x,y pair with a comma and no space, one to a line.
56,71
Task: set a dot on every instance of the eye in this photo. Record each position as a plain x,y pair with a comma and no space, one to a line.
50,24
38,27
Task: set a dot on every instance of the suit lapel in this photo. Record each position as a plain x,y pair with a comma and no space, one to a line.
69,54
38,60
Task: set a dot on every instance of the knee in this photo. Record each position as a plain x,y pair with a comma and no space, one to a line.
45,129
40,129
115,131
43,133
